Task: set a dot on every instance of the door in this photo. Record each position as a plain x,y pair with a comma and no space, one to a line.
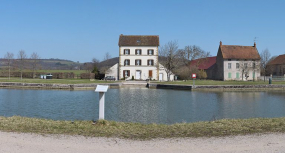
138,75
160,76
150,73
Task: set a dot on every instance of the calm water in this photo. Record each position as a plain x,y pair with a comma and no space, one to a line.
142,105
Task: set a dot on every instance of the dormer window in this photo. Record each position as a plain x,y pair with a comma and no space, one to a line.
150,52
138,51
138,41
126,51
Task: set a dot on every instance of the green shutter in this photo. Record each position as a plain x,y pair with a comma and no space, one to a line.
229,75
237,75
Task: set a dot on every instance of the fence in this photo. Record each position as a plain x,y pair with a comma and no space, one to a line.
274,78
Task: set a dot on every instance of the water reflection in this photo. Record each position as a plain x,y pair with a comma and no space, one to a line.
142,105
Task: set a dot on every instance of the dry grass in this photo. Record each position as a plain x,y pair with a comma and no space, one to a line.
103,128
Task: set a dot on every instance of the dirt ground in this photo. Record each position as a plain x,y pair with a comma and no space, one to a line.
32,143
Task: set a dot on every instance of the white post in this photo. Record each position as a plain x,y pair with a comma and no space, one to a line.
101,105
102,90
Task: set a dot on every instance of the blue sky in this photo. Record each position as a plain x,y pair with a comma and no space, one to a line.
80,30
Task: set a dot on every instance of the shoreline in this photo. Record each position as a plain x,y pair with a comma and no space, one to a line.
92,86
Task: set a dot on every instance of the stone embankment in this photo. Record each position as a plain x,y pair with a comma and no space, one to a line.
217,87
148,85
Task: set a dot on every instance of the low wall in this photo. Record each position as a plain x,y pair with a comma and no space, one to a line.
240,87
167,86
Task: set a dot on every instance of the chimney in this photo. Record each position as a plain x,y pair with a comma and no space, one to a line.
220,43
254,45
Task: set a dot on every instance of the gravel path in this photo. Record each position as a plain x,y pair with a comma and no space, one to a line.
32,143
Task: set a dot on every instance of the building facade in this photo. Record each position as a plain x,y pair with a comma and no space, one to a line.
138,59
237,62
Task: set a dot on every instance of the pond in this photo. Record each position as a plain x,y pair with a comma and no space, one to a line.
142,105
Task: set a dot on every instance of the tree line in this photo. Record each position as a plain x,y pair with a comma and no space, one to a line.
21,62
178,61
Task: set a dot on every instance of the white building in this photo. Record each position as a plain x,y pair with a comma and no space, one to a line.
138,59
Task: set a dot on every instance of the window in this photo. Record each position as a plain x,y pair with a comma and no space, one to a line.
138,51
150,52
126,51
229,75
254,65
150,62
138,62
237,65
127,62
237,75
245,65
229,65
126,73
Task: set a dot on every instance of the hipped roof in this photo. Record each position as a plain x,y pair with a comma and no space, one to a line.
278,60
138,40
239,52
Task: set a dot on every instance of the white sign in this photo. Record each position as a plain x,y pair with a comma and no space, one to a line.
101,88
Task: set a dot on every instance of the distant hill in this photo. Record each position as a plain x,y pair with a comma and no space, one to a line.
51,64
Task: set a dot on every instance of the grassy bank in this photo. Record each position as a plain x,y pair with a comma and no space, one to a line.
225,127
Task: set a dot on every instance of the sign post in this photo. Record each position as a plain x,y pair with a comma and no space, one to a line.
194,77
102,90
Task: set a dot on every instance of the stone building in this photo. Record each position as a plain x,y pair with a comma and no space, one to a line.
237,62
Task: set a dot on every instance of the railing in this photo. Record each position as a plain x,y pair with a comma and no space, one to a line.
274,78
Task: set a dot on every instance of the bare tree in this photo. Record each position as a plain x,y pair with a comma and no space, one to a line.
107,56
244,68
169,57
265,57
21,61
35,62
190,53
8,59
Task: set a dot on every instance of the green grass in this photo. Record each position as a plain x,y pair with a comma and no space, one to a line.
214,82
103,128
54,81
76,72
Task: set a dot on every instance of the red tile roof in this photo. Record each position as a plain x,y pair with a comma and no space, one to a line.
278,60
138,40
239,52
204,63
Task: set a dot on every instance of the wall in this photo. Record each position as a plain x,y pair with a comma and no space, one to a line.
113,71
235,70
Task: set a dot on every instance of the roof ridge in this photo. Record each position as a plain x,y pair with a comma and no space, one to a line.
139,35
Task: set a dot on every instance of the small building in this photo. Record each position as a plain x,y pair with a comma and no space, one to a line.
206,64
237,62
277,66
